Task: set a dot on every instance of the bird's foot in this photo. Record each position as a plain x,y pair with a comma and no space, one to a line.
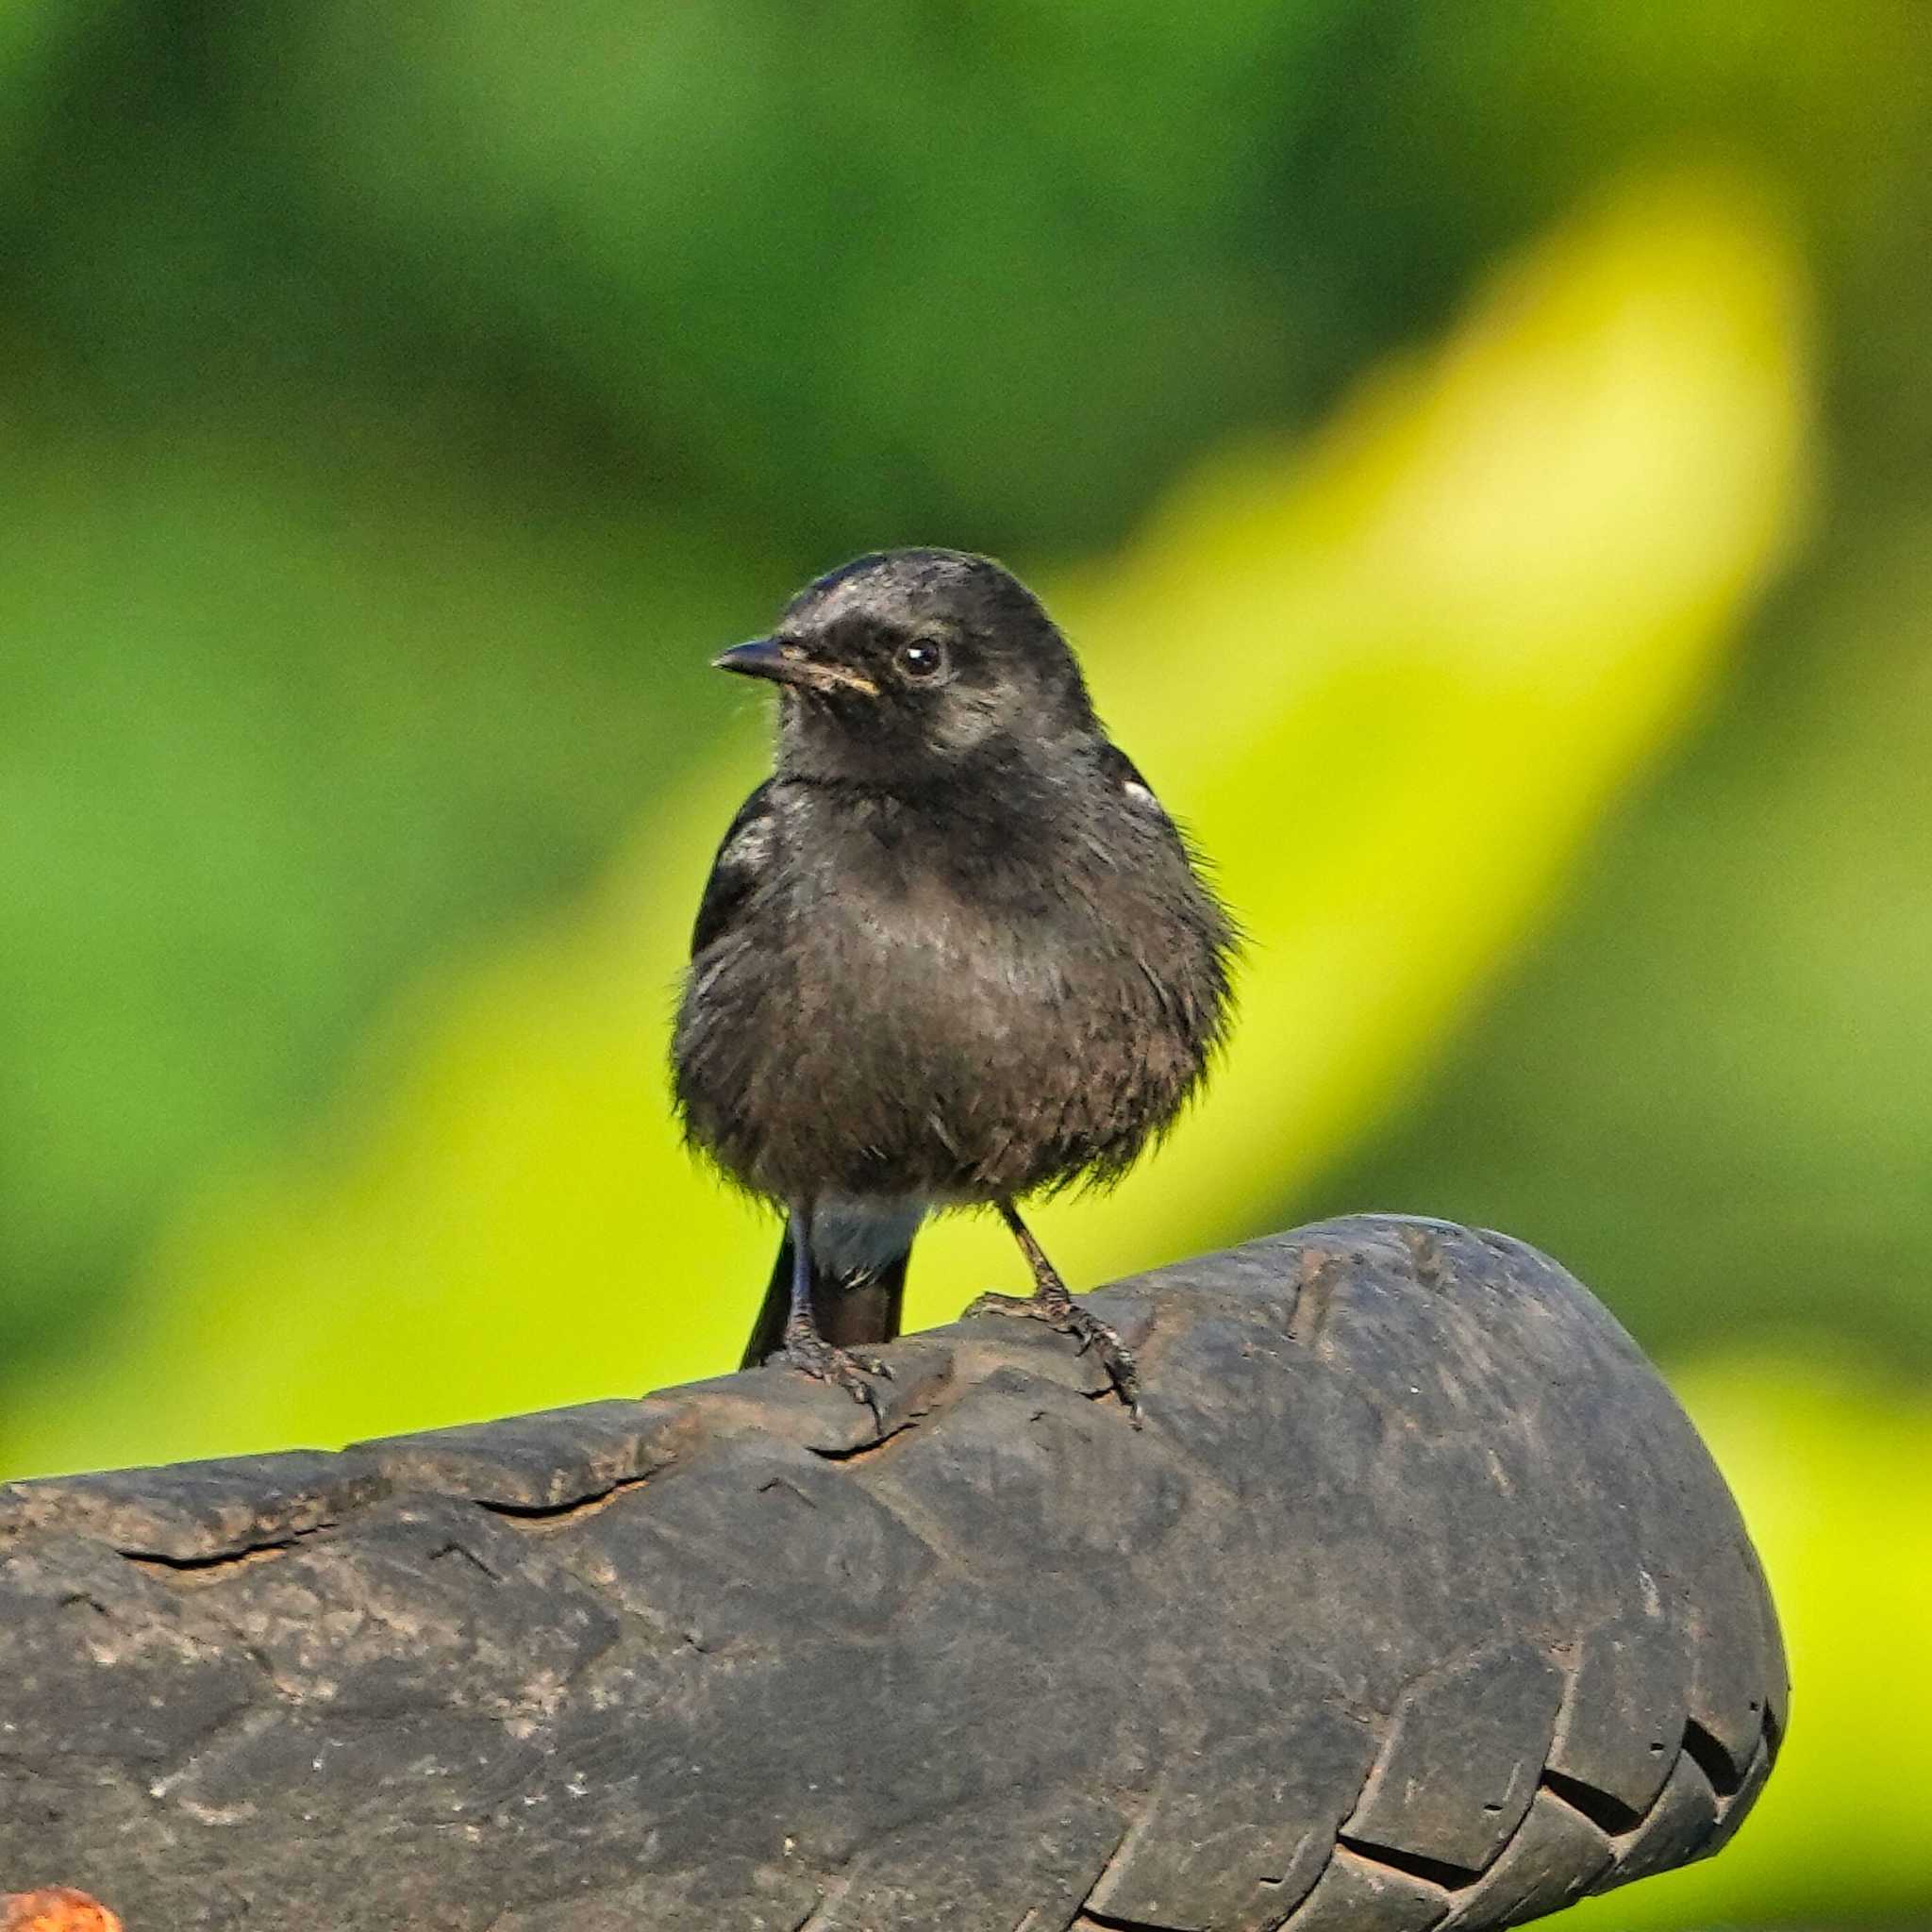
844,1368
1063,1313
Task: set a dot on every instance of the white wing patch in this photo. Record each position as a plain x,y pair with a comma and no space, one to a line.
750,845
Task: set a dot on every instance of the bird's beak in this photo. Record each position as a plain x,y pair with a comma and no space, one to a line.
785,663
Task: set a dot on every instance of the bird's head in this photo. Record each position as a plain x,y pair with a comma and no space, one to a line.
906,662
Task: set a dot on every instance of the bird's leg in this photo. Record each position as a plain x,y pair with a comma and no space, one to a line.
805,1349
1051,1302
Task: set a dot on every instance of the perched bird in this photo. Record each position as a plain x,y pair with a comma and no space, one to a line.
952,953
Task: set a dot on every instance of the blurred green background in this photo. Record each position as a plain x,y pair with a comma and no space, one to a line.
1482,454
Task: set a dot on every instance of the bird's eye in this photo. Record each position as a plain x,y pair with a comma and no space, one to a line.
921,659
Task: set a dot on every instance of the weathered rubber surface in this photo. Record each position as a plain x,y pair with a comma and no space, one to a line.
1417,1604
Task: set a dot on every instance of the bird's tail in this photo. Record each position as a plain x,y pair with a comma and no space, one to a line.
848,1313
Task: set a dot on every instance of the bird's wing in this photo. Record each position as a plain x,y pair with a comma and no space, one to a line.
742,858
1126,774
1122,772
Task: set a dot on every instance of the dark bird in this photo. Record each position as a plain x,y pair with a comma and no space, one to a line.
952,953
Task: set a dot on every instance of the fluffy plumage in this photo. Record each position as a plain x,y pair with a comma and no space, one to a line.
952,952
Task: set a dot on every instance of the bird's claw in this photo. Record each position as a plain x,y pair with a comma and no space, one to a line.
1030,1305
1123,1370
813,1355
1066,1315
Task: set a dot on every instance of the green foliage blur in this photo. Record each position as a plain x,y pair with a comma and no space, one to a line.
1479,451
